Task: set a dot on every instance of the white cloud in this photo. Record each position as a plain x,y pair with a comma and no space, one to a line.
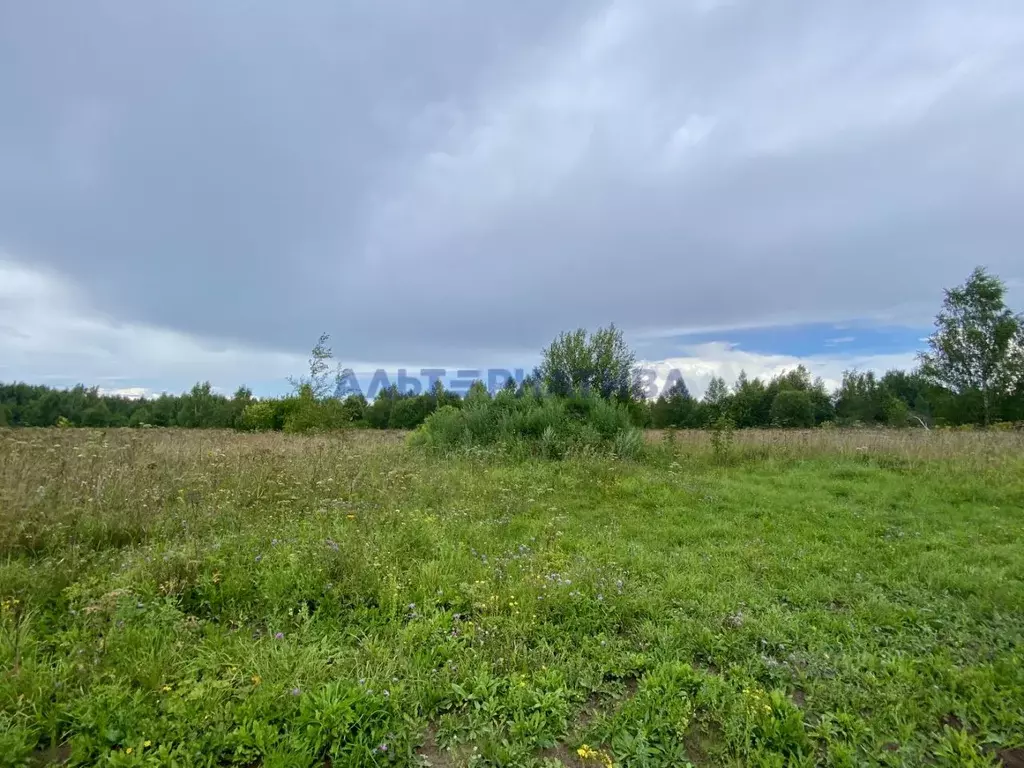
692,132
131,393
703,361
51,333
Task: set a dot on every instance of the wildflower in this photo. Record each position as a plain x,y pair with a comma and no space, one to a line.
351,517
279,635
382,748
589,753
166,688
147,743
256,679
128,751
296,691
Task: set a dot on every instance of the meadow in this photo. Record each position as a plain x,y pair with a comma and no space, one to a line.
772,598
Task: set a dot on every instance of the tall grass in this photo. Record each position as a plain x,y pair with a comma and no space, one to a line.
965,447
216,598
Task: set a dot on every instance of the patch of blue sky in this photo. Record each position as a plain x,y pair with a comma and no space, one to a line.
803,340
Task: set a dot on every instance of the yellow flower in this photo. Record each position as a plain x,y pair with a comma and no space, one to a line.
589,753
128,751
351,517
166,688
147,743
256,679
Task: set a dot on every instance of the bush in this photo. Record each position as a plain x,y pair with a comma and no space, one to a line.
445,430
550,426
309,415
353,408
378,413
793,408
257,417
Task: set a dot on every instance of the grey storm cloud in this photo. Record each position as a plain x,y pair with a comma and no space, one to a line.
436,179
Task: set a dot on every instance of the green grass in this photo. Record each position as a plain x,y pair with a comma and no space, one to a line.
216,599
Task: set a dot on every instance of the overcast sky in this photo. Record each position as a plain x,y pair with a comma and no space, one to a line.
195,190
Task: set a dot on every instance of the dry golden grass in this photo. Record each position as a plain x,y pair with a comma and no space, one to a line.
967,445
60,486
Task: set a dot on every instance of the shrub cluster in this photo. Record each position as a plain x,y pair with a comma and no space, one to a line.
541,425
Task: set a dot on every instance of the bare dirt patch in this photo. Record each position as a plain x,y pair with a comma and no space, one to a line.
562,754
57,755
432,753
953,722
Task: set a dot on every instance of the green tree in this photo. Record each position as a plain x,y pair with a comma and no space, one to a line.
601,363
918,394
793,408
354,407
378,413
717,391
751,403
675,407
97,415
858,399
799,379
716,400
203,408
322,381
978,344
140,416
411,411
241,400
257,417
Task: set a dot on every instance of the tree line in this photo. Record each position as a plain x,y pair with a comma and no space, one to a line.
971,374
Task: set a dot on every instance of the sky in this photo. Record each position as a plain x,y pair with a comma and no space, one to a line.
195,191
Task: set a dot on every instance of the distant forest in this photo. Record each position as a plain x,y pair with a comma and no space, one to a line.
973,374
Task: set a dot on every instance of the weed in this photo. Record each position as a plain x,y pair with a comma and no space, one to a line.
214,598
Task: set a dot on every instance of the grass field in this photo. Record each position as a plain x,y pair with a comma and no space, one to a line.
202,598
